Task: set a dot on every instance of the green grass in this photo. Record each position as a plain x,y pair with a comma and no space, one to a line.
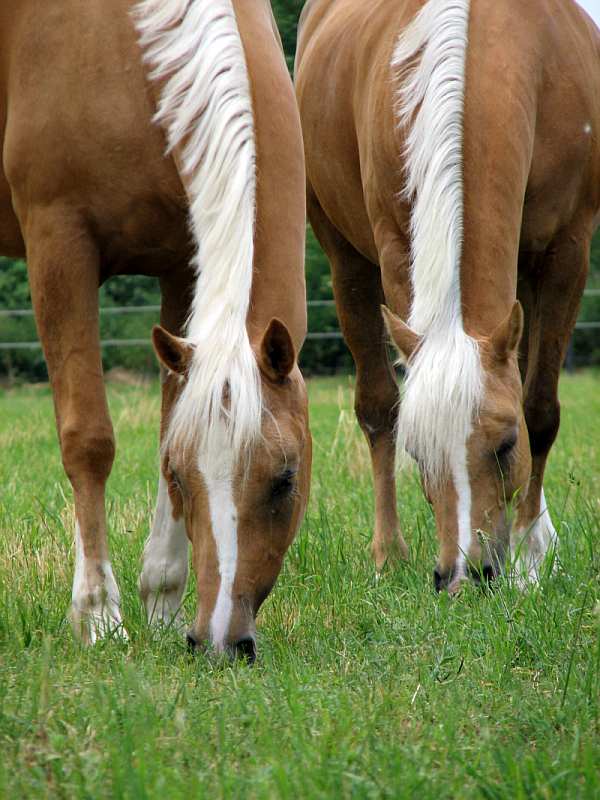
362,689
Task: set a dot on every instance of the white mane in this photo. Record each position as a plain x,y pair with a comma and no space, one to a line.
194,48
444,386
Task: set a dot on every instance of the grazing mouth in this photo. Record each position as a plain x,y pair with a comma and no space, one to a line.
243,650
483,576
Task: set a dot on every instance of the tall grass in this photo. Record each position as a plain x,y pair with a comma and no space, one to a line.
363,688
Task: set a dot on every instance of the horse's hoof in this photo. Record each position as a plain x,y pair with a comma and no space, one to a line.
90,626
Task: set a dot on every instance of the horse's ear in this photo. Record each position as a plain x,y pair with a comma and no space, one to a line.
173,353
405,339
277,353
507,336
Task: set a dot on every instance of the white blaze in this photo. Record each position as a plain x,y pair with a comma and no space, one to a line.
217,468
460,475
223,517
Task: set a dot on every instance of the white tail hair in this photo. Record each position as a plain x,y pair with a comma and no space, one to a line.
194,48
444,386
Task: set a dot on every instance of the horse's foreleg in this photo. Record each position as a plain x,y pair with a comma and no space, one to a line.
165,568
376,403
551,302
358,296
63,273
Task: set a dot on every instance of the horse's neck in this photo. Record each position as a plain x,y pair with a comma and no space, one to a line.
492,231
278,288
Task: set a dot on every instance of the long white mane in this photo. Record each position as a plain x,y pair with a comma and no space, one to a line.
444,386
195,50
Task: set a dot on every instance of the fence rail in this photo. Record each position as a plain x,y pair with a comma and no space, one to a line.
116,310
28,312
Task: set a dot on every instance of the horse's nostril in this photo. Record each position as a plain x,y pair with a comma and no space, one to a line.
191,642
438,581
246,649
484,575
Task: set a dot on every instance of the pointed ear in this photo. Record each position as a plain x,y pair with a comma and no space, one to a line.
173,353
277,354
405,339
507,336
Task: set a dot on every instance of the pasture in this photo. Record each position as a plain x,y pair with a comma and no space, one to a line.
363,688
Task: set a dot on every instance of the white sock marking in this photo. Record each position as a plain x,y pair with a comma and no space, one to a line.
529,546
165,571
95,610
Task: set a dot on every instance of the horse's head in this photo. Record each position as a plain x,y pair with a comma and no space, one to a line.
242,505
481,466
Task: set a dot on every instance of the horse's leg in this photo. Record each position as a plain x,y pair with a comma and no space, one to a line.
551,298
165,567
63,266
358,296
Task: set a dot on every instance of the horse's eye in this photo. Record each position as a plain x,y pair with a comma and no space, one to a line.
283,485
176,480
506,448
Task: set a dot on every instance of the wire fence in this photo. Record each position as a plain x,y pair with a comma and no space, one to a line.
117,310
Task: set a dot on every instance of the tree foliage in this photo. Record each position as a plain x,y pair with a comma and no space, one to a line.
287,13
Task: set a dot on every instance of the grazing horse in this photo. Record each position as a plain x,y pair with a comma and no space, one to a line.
164,139
453,163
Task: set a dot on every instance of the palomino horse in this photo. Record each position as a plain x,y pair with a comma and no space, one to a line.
87,192
454,166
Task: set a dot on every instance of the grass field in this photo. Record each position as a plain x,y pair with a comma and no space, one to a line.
362,689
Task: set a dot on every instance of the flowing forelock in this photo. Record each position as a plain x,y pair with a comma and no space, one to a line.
444,386
196,56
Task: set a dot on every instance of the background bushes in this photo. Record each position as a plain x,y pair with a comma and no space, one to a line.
322,356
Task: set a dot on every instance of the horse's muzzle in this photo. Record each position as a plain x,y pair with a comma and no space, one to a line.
244,649
482,576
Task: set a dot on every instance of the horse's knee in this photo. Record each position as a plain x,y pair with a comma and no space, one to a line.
88,451
376,415
543,421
